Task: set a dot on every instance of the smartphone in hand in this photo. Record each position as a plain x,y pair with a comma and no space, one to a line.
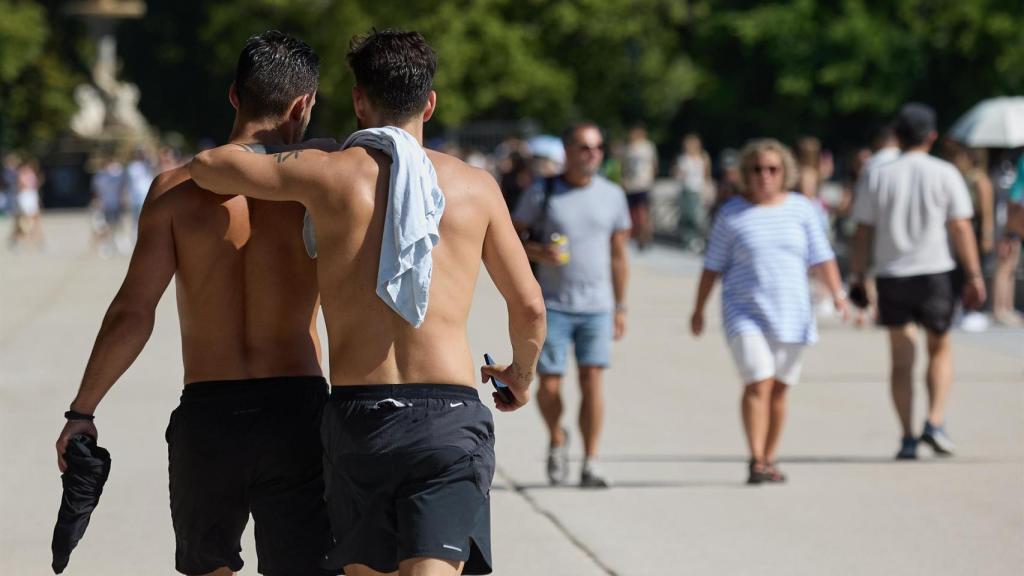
499,386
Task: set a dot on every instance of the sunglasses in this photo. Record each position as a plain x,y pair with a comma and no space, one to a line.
771,169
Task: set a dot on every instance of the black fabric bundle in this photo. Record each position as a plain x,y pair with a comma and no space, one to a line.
88,467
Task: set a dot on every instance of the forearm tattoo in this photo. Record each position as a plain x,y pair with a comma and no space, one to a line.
283,157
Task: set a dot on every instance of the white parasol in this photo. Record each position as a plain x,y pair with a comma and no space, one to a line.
992,123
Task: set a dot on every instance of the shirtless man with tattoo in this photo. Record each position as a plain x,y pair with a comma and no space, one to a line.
409,445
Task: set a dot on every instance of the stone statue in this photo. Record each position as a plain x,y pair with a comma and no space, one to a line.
92,112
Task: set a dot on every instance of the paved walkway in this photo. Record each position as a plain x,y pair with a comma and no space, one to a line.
673,445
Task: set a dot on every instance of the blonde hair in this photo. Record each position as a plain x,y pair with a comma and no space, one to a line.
754,148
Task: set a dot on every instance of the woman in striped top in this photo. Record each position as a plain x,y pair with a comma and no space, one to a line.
761,245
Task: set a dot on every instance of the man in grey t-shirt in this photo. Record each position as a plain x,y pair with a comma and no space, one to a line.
909,209
578,240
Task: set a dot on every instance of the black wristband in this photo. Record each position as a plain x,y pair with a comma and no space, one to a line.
72,415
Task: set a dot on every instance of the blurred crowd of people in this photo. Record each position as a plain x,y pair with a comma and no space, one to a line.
118,188
700,186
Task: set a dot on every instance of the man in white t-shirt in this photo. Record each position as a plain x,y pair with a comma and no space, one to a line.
909,210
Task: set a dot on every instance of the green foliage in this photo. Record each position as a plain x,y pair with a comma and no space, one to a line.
35,85
730,69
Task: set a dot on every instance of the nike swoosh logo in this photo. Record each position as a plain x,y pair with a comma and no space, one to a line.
455,404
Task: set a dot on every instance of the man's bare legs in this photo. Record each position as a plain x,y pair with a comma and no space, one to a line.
777,418
222,571
940,376
901,347
549,400
411,567
591,408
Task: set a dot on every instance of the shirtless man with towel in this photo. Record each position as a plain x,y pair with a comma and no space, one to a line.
409,445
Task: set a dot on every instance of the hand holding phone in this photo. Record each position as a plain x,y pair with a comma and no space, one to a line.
500,387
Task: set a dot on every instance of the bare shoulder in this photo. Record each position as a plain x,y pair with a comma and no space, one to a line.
171,188
457,176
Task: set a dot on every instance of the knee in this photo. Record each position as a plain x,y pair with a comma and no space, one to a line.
758,391
550,385
779,390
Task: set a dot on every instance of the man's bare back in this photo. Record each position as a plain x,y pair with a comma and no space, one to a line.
346,194
246,291
369,343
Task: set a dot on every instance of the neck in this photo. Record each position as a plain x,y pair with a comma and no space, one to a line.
577,179
414,126
766,197
919,148
260,131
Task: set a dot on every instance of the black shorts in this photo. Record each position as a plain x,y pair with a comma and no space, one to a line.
637,199
409,472
927,300
249,446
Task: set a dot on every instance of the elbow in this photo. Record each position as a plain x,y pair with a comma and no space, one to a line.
532,309
124,317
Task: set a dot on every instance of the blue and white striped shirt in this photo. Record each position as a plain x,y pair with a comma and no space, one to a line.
763,253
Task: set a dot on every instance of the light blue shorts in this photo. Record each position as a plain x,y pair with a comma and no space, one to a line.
590,335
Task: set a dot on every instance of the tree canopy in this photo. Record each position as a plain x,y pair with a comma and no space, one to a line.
730,69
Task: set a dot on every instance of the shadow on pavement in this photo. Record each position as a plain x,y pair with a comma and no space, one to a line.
810,459
539,486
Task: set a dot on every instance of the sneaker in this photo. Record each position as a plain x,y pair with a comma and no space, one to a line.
758,473
908,449
558,460
936,437
591,478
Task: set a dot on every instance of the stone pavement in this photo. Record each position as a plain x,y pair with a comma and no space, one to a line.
673,445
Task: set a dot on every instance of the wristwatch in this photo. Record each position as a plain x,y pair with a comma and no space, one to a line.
620,308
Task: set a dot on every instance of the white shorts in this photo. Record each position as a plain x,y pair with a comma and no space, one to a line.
757,358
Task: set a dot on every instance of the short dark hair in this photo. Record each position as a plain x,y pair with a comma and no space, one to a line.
914,123
273,70
396,69
569,134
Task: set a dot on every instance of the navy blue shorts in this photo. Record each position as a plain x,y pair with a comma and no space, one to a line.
408,471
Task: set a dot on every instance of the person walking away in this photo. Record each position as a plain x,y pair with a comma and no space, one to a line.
583,278
971,164
761,246
693,173
27,206
244,439
138,177
108,197
400,232
907,213
1008,249
639,169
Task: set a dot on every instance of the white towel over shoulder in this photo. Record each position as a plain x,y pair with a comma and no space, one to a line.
415,206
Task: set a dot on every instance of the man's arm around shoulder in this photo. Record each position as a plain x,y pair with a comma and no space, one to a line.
238,169
506,262
129,320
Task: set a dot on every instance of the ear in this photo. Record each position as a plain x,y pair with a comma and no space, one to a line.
428,112
297,110
359,103
233,96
